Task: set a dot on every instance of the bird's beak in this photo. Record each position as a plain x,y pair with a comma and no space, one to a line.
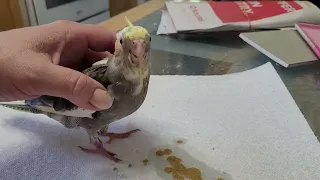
138,51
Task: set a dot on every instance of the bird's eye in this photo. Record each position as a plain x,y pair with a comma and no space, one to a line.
150,39
120,41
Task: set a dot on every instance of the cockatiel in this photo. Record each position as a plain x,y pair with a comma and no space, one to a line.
126,77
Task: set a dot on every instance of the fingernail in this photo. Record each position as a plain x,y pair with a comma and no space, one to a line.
101,99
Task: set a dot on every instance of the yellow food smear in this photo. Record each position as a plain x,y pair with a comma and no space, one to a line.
168,170
145,162
178,170
159,153
220,179
164,152
179,141
167,151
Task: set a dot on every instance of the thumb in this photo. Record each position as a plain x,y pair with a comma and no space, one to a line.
75,86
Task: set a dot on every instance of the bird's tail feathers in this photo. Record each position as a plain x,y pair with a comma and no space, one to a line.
21,107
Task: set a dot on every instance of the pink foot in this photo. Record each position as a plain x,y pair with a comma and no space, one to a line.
116,135
100,150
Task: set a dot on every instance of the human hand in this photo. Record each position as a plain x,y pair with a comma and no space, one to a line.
36,61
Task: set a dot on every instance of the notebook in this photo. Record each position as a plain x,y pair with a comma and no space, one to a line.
285,47
311,34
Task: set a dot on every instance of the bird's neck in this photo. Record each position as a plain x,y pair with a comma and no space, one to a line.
120,62
142,69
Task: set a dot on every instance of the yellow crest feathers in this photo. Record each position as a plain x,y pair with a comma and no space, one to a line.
134,31
129,22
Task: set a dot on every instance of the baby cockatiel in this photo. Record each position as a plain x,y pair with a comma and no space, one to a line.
126,77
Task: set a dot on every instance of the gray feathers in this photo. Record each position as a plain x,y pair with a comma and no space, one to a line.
128,86
125,76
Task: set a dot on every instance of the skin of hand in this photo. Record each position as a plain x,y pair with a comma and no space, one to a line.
39,60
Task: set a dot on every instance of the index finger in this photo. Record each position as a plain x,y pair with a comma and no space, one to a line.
98,38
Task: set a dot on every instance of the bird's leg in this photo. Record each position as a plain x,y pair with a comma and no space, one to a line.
104,132
100,149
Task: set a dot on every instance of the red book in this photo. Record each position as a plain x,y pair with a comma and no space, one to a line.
215,16
311,34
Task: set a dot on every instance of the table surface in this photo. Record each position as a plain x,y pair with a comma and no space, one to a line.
222,53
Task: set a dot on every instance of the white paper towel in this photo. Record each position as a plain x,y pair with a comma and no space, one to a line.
249,118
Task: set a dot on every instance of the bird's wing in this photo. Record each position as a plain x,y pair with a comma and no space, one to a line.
58,105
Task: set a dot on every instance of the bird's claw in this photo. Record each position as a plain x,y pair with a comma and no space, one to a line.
100,150
116,135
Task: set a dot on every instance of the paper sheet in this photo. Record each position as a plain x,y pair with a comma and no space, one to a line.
166,25
242,126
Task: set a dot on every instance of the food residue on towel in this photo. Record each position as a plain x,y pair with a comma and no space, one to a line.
167,151
173,162
168,170
145,162
164,152
179,141
178,170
